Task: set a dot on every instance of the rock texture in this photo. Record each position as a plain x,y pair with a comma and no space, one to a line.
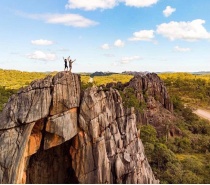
107,148
152,86
157,108
38,117
50,132
150,90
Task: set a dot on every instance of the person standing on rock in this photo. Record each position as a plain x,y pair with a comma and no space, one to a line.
70,64
65,63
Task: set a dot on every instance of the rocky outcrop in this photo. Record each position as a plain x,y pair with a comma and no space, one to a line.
154,101
151,90
109,137
150,85
38,117
50,132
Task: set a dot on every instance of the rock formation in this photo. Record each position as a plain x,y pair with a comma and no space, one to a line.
109,137
38,117
157,108
150,90
50,132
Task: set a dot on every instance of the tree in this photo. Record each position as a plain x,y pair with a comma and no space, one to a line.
162,155
148,134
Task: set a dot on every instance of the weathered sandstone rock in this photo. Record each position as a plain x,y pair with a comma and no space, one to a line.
157,108
62,126
109,137
152,85
66,93
27,125
151,90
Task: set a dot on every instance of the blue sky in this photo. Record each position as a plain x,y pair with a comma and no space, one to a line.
105,35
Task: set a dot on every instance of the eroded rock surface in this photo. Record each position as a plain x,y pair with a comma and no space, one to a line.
156,106
109,137
152,86
38,117
151,91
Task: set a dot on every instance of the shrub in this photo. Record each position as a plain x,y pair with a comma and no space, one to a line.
148,134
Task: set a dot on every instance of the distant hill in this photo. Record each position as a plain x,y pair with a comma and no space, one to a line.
100,73
201,73
134,73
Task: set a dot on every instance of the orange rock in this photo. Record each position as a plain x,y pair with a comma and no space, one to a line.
52,140
34,143
35,138
76,142
73,109
24,178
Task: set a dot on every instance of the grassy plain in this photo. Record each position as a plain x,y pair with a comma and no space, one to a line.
193,89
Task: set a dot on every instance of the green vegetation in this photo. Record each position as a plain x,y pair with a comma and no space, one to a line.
4,95
180,159
12,80
100,80
177,167
130,100
103,80
192,89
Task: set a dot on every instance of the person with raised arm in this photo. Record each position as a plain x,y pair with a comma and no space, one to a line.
65,64
70,63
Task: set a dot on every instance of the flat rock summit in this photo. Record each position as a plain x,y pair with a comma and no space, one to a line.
53,132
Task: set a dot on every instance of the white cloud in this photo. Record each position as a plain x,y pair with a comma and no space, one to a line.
179,49
140,3
144,35
189,31
63,49
168,11
119,43
105,46
91,4
107,4
126,60
74,20
109,55
40,55
42,42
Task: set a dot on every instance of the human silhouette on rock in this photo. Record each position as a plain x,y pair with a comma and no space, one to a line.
70,63
65,63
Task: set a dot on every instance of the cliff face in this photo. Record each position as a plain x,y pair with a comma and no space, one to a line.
150,90
38,117
151,86
108,136
51,133
157,108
